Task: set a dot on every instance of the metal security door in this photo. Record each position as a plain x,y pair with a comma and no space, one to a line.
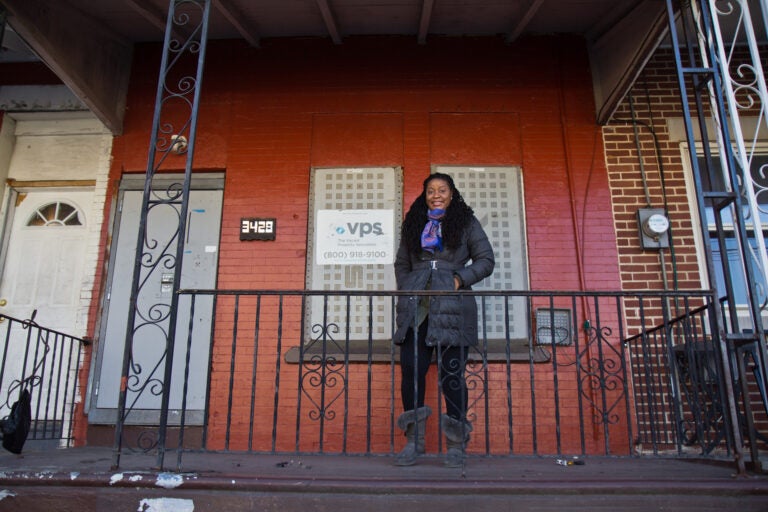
199,268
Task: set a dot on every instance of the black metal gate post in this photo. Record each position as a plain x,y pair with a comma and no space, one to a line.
179,85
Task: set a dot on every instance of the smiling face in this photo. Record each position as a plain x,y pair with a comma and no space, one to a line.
438,194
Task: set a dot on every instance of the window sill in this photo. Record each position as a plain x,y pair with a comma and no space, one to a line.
380,352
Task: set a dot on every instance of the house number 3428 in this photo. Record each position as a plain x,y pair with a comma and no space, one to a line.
258,229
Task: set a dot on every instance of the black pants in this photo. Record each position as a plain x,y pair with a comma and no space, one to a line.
451,373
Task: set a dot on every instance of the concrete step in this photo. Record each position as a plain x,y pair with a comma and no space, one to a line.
82,480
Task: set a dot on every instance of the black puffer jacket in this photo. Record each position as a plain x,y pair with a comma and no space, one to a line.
452,319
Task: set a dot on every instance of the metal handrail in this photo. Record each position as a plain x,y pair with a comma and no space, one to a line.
616,387
45,362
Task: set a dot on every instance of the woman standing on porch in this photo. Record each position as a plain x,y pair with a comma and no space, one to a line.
440,235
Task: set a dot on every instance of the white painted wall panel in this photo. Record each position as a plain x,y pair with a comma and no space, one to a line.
63,146
66,149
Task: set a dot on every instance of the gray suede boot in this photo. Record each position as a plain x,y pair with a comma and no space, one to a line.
456,438
413,423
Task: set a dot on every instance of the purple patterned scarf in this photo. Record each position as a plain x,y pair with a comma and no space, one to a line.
432,236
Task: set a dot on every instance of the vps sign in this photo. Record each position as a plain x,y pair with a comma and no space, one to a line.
365,228
354,237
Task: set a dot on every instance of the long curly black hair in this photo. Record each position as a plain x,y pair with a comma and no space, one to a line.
457,217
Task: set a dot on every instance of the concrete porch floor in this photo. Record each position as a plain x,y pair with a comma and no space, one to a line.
80,479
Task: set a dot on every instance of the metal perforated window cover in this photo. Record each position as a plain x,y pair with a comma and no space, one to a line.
496,196
373,188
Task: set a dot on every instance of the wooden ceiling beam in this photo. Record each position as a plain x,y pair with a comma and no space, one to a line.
330,20
154,16
238,20
426,17
521,25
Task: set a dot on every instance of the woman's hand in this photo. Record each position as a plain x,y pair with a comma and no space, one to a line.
456,283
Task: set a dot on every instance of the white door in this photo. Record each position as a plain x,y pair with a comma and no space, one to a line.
198,272
46,251
43,272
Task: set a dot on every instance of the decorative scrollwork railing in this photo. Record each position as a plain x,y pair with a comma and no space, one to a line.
151,327
297,388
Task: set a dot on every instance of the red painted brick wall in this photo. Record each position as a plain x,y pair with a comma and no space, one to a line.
269,115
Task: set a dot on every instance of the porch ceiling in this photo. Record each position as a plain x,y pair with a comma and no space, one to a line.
620,34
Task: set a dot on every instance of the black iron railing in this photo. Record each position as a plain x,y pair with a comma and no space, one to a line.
679,388
688,368
554,373
45,363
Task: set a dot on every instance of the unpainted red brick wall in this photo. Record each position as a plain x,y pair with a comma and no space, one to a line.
656,102
271,114
656,99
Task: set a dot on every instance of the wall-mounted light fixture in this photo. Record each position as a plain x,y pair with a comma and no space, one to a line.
178,144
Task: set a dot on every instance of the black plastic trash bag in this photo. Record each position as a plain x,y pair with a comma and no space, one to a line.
15,427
